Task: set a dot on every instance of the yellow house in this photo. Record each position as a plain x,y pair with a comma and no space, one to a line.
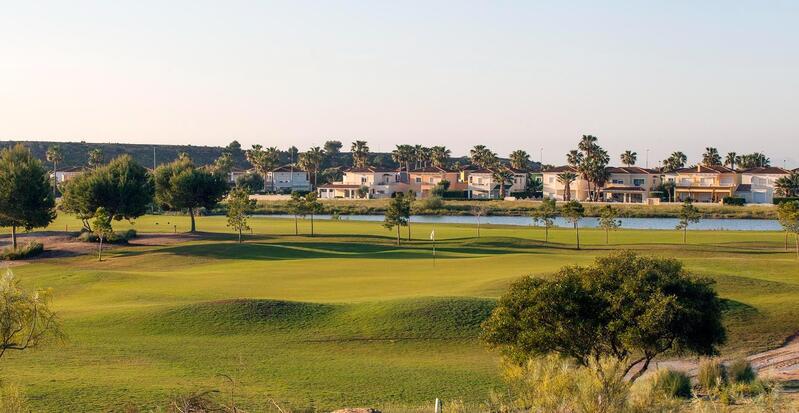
703,183
423,180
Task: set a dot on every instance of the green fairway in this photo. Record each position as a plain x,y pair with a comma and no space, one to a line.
345,318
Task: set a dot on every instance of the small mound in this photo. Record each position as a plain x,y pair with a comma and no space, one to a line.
239,316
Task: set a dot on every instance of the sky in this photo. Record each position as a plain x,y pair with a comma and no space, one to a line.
642,75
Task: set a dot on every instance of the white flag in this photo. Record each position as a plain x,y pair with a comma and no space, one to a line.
433,235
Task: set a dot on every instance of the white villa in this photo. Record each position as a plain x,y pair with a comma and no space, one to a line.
288,178
376,183
556,190
482,185
758,184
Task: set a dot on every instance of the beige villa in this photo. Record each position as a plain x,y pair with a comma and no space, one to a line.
373,182
553,189
631,184
703,183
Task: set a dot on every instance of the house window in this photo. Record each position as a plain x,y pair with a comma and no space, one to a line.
639,181
363,179
617,181
431,179
418,179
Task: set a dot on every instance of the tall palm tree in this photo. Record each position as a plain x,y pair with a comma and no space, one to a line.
403,155
262,160
731,160
566,178
519,159
788,186
711,157
503,177
55,155
439,156
481,156
628,158
360,154
574,157
311,161
676,161
587,144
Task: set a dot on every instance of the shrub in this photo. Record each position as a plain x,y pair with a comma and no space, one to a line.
731,200
670,383
30,249
778,201
114,238
712,375
455,195
432,203
741,371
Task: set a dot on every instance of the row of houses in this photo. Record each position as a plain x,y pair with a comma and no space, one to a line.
700,183
376,183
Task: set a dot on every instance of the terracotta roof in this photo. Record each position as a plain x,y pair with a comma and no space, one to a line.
564,168
370,169
705,169
767,170
288,168
631,170
431,169
73,169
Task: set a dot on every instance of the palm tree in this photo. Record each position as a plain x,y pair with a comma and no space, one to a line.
311,161
262,160
439,156
574,157
55,155
403,155
676,161
502,176
788,186
566,178
628,158
360,153
519,159
478,154
731,160
95,158
588,144
711,157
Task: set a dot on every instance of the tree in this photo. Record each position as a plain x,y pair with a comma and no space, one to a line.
628,158
439,156
297,208
480,211
239,209
397,214
403,155
55,155
566,179
546,214
627,307
223,164
95,158
674,162
312,206
102,228
503,178
180,185
410,198
482,156
711,157
788,186
360,154
520,159
574,211
292,152
574,157
731,160
26,320
608,220
262,160
26,199
689,214
753,160
311,161
333,147
788,216
252,181
123,188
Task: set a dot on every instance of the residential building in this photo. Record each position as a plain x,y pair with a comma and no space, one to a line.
482,185
758,184
235,173
553,189
288,178
630,184
65,175
703,183
378,183
423,180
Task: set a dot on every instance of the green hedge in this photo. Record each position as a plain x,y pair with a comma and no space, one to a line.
778,201
732,200
455,195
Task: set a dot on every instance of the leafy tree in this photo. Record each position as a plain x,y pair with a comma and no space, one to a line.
26,320
239,209
311,161
520,159
503,177
26,199
360,154
627,307
731,160
252,181
55,155
95,158
363,191
312,206
333,147
439,156
102,228
546,214
711,157
233,148
788,216
410,198
788,186
123,188
297,208
689,214
223,164
574,211
674,162
397,214
262,160
180,185
566,179
628,158
609,220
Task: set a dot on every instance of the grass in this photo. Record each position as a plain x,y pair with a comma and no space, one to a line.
341,319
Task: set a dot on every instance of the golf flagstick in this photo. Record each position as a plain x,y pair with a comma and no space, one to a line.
433,238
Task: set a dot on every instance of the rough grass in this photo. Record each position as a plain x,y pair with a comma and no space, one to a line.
341,319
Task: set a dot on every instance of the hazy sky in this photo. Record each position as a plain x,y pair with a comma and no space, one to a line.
664,76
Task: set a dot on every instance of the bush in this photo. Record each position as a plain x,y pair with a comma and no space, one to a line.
712,375
670,383
455,195
432,203
114,238
741,371
30,249
731,200
523,194
778,201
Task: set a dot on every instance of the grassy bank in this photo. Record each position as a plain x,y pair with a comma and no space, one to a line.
345,318
522,208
